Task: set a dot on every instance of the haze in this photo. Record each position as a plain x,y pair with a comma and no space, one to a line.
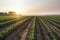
31,7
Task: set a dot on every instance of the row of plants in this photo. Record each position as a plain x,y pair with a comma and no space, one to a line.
8,30
31,35
7,18
52,22
53,17
3,18
9,22
50,32
6,23
56,21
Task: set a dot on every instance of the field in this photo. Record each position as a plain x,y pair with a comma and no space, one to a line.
30,28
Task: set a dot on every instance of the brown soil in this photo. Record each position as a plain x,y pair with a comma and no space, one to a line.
40,31
21,32
54,29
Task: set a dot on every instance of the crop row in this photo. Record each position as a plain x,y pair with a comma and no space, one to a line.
53,17
6,18
50,32
10,21
54,22
31,35
8,30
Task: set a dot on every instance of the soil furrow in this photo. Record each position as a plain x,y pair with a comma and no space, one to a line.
53,29
9,24
12,23
16,35
43,31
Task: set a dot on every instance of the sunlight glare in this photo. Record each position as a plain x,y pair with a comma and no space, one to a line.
18,11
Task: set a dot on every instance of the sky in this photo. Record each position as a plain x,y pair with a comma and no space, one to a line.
31,6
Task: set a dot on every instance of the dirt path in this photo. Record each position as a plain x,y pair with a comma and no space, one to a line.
38,35
18,34
26,32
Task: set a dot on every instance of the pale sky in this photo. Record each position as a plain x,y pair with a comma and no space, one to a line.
30,5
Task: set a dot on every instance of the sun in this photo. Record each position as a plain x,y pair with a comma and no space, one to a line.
18,11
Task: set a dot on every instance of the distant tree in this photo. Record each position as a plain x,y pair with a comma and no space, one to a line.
12,13
3,14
